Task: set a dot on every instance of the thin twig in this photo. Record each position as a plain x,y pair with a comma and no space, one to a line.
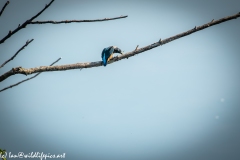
30,21
25,23
27,78
4,7
17,52
76,21
25,71
136,48
56,61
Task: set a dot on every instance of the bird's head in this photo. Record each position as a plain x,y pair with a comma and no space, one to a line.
117,50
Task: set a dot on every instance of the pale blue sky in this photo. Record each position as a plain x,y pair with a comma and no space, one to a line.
178,101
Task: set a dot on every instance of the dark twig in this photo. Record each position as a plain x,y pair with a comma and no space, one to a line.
27,78
25,71
76,21
4,7
24,24
30,21
56,61
17,52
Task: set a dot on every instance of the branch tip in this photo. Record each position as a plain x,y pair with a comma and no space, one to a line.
5,5
55,61
160,41
136,48
25,45
75,21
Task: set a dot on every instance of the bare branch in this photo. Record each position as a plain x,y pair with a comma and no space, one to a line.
4,7
27,78
25,23
76,21
20,70
29,21
17,52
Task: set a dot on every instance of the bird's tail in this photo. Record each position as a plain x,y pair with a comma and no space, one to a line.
104,60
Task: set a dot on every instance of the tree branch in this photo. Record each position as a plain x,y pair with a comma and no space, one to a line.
17,53
4,7
20,70
27,78
10,33
76,21
29,21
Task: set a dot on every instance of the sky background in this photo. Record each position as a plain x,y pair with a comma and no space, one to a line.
178,101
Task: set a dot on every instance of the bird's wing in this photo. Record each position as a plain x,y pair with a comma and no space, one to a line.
103,52
107,51
111,50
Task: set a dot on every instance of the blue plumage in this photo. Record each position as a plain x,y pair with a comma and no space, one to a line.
108,52
104,60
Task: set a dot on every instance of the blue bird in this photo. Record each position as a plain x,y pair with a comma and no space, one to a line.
108,52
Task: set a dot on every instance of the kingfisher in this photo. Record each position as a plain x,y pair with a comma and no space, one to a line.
107,53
